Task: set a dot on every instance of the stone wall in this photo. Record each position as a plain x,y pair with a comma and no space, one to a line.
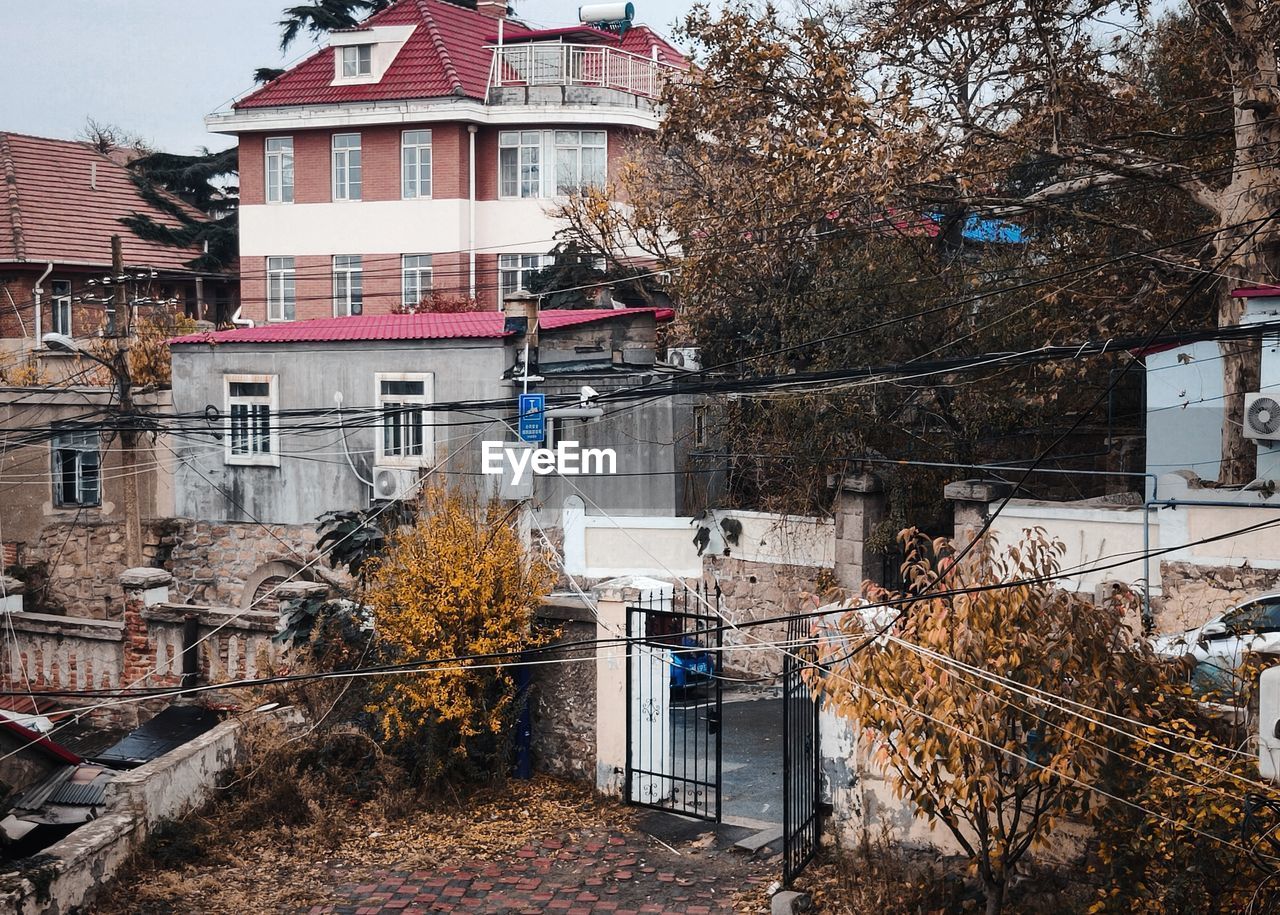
759,590
73,565
563,695
227,563
1192,594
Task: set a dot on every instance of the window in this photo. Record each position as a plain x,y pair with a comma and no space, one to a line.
415,164
519,163
416,272
281,293
60,313
346,166
76,462
251,434
280,170
579,160
514,270
357,60
348,285
699,427
407,437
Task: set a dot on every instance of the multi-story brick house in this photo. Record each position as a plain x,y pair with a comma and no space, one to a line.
60,203
425,150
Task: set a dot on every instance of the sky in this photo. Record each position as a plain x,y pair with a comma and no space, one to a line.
155,68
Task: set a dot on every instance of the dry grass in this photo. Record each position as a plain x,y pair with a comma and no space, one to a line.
212,863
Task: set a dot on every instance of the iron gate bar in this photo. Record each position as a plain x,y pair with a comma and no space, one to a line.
801,760
670,649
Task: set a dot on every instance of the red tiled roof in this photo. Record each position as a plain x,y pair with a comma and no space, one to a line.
1256,292
427,326
445,57
50,210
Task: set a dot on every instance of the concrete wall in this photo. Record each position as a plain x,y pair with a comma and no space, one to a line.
26,484
313,476
1184,410
66,876
1094,536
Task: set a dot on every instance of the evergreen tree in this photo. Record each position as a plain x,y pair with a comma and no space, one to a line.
200,182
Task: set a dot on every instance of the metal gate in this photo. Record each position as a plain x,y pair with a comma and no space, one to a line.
800,759
674,702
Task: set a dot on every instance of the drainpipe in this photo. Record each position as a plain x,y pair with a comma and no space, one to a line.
1147,618
471,209
36,292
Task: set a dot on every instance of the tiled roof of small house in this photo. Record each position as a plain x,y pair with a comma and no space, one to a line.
62,200
426,326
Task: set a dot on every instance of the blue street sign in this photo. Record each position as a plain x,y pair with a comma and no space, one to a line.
533,417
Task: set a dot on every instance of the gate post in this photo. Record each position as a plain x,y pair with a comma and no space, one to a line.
860,507
611,688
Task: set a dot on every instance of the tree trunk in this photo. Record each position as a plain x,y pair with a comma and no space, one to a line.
1243,209
995,896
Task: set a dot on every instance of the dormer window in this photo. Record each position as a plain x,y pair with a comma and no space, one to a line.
356,60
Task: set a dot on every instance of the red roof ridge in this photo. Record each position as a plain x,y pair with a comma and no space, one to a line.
441,49
15,205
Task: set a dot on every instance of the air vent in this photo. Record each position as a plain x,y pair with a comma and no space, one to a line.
1261,416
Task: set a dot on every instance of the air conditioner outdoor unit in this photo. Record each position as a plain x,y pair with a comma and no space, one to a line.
393,483
1262,416
685,357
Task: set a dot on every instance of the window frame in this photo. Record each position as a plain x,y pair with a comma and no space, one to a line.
406,270
60,302
280,161
288,275
577,148
342,188
64,439
381,457
520,147
271,457
545,261
362,61
418,149
353,277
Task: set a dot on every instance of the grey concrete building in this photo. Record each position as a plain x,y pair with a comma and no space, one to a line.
284,422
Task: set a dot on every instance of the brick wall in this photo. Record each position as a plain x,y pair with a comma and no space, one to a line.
252,165
141,646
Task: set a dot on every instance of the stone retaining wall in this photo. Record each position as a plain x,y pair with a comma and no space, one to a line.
563,695
1192,594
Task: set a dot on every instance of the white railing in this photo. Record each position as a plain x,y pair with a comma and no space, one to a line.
556,64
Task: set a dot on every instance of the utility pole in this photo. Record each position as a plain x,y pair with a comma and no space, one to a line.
118,322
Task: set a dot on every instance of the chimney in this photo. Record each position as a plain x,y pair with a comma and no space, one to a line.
523,306
495,9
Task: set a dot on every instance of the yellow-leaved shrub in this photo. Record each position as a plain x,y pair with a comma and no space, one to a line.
459,583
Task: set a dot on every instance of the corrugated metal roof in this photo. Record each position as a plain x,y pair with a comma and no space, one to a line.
166,731
428,326
63,200
445,57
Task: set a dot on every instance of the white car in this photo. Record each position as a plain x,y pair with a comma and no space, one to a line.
1220,646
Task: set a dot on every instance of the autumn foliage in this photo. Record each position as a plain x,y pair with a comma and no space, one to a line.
459,583
985,758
